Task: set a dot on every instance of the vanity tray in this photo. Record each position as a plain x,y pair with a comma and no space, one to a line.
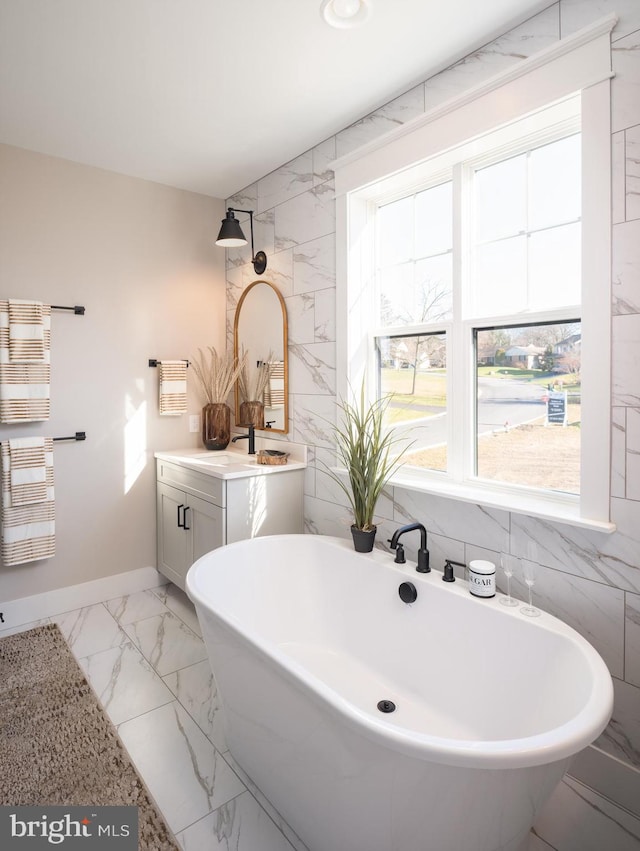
271,456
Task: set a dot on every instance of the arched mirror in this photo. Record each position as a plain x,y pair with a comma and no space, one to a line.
260,330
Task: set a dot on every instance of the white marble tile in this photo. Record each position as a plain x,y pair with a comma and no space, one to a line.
325,316
622,737
263,238
611,559
275,816
185,774
89,630
174,598
323,155
166,642
312,368
195,688
633,454
23,627
632,154
618,451
134,607
305,217
285,182
519,43
125,683
398,111
534,843
595,611
576,14
625,358
486,527
246,199
239,825
577,819
314,265
310,473
301,316
625,267
326,518
625,86
618,177
279,271
311,417
632,639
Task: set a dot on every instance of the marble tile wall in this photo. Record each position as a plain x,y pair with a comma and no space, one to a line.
589,579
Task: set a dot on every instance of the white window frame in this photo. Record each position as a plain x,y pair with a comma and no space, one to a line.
579,65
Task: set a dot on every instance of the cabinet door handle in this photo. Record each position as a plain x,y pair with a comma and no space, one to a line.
180,524
184,519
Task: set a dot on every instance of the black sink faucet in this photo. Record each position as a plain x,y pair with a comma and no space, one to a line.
423,552
251,437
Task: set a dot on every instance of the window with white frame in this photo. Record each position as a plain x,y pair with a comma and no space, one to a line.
473,254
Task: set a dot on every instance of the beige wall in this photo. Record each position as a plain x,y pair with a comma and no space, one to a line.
140,257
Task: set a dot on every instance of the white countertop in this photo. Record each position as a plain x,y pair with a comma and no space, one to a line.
234,462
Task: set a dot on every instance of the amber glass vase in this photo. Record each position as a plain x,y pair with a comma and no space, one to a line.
251,413
216,425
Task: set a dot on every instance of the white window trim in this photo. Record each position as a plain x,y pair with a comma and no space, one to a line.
578,64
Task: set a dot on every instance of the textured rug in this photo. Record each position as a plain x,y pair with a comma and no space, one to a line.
57,746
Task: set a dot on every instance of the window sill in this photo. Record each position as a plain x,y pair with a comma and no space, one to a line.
558,509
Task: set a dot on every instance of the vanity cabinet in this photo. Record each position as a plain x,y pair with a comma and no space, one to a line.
198,512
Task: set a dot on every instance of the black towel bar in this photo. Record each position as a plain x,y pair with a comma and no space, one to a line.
155,361
79,435
78,309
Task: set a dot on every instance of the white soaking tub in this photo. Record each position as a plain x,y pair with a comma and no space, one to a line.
306,637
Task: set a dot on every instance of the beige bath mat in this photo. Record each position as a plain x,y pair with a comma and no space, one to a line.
57,746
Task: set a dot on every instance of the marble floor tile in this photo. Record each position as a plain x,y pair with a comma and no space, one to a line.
239,825
134,607
166,642
89,630
125,682
576,819
174,598
196,689
185,774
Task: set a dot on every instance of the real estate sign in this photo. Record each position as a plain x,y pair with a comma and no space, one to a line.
557,407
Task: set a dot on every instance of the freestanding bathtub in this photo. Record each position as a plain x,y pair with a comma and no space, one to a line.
306,637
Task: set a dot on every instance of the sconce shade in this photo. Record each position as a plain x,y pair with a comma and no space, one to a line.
231,235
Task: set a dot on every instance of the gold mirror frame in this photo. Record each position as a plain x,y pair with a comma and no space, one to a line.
285,353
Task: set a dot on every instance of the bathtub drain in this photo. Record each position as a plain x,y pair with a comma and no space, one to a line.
386,706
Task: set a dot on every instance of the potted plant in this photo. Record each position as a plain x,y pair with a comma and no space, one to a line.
365,450
217,375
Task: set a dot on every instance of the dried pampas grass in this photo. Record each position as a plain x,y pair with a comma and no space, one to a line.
217,373
253,391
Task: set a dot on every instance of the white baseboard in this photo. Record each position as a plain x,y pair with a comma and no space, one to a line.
609,776
50,603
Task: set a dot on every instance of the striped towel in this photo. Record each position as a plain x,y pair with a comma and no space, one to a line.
24,387
26,331
274,391
28,505
173,387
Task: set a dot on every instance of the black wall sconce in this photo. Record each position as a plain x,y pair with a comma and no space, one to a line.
231,236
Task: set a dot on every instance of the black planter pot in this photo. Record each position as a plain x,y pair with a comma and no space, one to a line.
363,540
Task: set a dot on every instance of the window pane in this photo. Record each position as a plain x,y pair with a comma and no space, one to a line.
397,295
433,289
554,183
554,267
395,232
433,221
413,369
501,199
528,405
500,277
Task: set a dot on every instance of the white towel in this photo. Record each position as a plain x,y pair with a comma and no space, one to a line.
24,387
26,331
173,387
28,527
274,392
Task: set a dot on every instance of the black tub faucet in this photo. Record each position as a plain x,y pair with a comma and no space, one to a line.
251,437
423,552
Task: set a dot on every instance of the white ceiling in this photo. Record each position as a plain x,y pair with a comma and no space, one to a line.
209,95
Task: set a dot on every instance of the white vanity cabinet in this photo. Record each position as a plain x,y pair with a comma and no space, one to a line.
199,510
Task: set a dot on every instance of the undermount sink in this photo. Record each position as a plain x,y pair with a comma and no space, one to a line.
221,459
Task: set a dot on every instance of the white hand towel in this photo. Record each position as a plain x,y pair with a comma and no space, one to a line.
26,331
24,387
173,387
